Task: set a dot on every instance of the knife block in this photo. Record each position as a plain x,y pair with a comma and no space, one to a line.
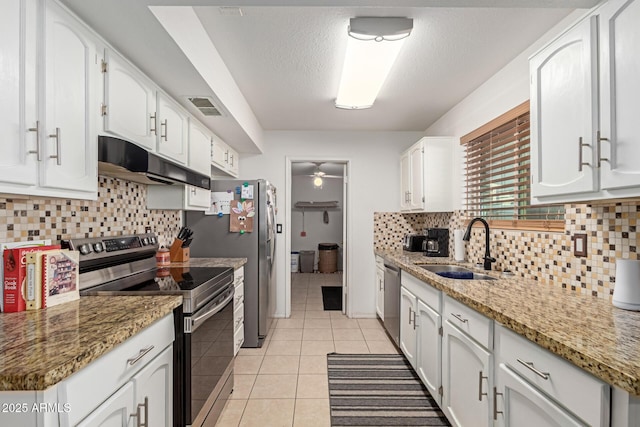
177,253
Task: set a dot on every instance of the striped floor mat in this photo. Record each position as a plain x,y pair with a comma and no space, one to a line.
378,390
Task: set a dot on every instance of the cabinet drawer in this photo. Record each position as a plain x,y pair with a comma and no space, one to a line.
479,327
238,317
238,339
88,388
238,275
238,296
425,292
577,390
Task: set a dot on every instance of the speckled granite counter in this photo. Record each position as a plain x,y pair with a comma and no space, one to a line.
41,348
589,332
212,262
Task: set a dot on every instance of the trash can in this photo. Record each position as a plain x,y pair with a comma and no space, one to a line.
295,262
328,257
306,261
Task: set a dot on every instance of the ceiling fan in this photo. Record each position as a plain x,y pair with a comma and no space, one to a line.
318,175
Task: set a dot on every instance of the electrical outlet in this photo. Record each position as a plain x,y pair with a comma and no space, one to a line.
580,245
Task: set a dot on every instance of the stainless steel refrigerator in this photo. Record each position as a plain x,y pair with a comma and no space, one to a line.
212,238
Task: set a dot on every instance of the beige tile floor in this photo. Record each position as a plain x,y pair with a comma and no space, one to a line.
284,383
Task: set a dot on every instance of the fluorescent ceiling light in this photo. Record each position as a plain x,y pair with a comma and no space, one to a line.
372,48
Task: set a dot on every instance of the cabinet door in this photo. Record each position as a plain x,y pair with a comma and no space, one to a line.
416,190
429,354
154,391
234,163
522,405
172,128
408,334
130,102
18,88
197,198
219,153
199,148
466,379
620,90
115,411
70,158
405,181
380,292
564,113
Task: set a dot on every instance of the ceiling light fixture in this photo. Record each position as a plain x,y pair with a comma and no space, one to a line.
372,48
317,182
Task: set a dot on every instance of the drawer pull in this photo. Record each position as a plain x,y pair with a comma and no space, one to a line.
529,365
480,378
140,355
459,317
495,404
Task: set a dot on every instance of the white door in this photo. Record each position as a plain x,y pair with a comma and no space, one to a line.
408,333
130,102
172,128
197,198
429,357
219,153
466,379
522,405
563,101
18,115
154,391
115,411
416,196
620,91
70,142
405,181
199,148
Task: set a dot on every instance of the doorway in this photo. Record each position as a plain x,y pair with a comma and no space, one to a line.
317,230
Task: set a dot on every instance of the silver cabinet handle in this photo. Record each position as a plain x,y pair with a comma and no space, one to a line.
480,378
600,158
459,317
140,355
153,129
529,365
231,159
164,123
138,415
57,156
37,131
495,404
414,320
238,322
226,156
193,191
580,162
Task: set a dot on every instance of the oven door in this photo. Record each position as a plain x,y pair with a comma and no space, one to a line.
208,341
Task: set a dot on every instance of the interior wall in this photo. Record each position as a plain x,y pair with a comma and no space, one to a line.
374,184
316,230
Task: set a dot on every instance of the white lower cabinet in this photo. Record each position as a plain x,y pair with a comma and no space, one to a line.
408,334
380,287
466,378
115,412
429,355
238,309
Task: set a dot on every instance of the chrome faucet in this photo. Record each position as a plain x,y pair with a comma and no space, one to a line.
488,259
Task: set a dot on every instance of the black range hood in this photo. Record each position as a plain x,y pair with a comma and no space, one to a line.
125,160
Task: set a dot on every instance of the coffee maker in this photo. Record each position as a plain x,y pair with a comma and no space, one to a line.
437,242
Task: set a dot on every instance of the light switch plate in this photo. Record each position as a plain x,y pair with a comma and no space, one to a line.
580,245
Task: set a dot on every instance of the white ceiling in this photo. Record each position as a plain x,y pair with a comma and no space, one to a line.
286,60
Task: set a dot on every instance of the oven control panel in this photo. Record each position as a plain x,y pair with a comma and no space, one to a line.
97,248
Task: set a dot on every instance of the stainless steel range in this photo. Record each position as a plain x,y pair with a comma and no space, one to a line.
203,351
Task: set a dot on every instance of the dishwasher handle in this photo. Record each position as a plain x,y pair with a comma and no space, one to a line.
392,268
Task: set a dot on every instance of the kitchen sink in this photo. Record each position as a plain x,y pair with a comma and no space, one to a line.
456,272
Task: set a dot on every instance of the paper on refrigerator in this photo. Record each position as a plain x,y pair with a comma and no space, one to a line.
220,203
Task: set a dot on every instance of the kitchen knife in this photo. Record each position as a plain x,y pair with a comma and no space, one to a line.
182,234
187,242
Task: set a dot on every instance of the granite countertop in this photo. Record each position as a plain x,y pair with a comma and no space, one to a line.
589,332
40,348
212,262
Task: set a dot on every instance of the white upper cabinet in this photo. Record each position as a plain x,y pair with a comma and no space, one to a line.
49,139
172,128
425,176
129,102
18,115
584,90
68,135
199,148
224,158
619,91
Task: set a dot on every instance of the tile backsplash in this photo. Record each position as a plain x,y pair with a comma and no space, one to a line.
546,257
120,209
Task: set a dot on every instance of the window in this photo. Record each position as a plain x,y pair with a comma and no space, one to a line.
497,175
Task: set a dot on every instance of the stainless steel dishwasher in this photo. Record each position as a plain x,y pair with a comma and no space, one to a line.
392,302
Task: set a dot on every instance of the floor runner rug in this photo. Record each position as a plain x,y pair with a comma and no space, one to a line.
332,297
378,390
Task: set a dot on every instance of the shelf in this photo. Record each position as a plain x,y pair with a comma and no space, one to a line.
316,205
